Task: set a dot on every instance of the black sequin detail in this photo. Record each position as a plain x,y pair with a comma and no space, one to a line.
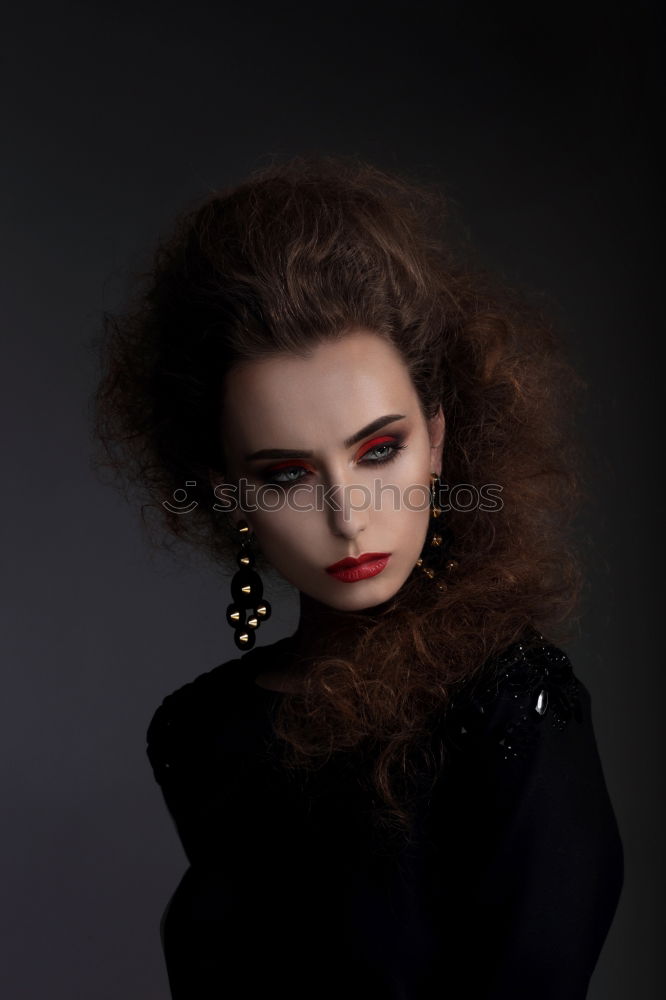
539,680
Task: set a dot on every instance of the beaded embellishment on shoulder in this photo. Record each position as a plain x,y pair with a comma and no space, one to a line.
538,679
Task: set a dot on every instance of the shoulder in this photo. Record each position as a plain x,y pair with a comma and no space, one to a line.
176,726
194,695
516,697
208,715
524,739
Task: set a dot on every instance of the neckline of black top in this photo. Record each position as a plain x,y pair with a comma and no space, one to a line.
274,655
256,659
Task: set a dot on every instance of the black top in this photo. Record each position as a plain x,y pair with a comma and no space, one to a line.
507,891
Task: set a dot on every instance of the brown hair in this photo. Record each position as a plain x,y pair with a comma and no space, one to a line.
300,252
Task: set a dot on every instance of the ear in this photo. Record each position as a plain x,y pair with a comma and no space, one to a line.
437,431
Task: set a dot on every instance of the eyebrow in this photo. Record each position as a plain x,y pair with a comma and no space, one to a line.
354,439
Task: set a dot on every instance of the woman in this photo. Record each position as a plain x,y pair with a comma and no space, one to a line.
404,798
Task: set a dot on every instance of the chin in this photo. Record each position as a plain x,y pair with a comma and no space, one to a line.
358,596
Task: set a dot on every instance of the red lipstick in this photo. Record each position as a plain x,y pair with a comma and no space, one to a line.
366,565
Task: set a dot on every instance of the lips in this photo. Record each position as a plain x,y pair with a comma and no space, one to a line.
349,562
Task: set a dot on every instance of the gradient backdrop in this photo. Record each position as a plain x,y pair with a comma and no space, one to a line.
541,122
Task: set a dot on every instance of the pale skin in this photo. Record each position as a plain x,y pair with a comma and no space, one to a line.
315,405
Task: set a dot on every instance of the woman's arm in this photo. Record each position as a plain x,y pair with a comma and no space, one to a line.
541,868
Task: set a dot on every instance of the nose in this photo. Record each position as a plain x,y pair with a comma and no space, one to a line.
354,509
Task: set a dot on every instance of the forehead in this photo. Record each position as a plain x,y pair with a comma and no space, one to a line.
296,401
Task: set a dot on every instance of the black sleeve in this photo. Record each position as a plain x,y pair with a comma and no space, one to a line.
172,751
541,869
199,756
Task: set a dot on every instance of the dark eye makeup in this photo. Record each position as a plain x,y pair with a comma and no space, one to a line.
394,445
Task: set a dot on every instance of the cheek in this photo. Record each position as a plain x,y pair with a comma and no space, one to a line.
281,537
409,529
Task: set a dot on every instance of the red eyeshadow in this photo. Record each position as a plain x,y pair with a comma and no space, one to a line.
392,439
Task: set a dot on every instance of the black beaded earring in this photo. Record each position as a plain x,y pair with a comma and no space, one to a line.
438,538
247,593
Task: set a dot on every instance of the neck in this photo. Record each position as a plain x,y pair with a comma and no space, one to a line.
325,631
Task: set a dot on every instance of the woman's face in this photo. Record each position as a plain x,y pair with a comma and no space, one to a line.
345,488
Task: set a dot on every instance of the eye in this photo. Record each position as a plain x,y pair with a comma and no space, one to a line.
388,450
385,449
274,477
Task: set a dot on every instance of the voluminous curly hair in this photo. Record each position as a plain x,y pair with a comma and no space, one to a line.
299,253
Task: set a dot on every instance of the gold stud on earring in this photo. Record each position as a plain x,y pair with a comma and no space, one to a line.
247,592
437,540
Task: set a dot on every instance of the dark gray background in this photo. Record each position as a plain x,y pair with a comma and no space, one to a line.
541,122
